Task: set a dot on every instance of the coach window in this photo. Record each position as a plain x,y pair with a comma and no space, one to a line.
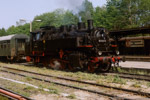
8,45
2,46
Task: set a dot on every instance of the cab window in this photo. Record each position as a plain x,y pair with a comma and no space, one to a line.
38,36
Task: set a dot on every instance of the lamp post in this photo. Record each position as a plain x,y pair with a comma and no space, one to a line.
24,20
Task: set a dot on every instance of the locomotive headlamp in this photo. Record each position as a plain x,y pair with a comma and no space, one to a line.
99,53
117,52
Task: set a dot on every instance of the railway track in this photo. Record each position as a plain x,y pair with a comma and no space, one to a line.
74,87
12,95
120,74
129,76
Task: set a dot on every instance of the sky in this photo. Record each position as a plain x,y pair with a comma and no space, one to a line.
12,11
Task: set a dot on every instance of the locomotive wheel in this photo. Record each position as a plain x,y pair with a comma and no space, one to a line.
57,64
34,62
63,65
45,63
91,67
106,67
70,67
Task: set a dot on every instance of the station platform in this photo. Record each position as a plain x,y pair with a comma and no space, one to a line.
137,58
135,64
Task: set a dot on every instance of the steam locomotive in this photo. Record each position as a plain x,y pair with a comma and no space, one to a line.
73,47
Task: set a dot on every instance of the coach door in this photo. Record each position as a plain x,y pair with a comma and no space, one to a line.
20,44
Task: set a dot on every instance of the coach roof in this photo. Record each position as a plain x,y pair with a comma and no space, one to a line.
9,37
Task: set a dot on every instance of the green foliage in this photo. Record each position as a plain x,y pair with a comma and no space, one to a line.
99,16
128,13
3,32
22,29
57,18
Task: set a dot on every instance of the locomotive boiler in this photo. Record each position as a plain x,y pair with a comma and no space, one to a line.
73,47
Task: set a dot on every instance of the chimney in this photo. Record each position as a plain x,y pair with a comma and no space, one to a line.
90,24
64,28
81,26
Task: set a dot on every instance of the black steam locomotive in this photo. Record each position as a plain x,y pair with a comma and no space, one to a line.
73,47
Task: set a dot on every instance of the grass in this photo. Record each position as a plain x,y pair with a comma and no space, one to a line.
99,81
133,71
18,88
136,85
72,96
117,79
3,98
28,78
53,90
148,84
27,90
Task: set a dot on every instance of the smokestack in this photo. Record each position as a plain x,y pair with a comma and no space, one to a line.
64,28
81,26
90,24
72,27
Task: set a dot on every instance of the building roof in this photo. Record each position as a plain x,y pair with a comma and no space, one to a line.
125,32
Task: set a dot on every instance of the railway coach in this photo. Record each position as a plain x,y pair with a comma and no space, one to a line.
12,47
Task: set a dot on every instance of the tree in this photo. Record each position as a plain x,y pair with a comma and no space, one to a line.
144,12
86,11
3,32
128,13
99,15
22,29
56,18
69,18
